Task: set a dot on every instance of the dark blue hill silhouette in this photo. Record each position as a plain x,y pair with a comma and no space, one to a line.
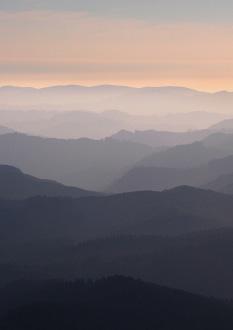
112,303
38,238
173,212
17,185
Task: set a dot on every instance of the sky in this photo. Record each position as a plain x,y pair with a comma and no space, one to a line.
137,43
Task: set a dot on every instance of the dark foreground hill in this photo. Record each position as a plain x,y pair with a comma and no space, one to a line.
199,263
17,185
113,303
38,236
172,212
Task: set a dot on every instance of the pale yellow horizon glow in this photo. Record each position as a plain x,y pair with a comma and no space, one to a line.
209,87
40,49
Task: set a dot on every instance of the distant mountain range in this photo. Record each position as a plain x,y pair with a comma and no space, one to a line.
162,138
5,130
223,183
79,124
102,111
89,164
195,164
160,178
17,185
185,156
148,100
117,166
224,126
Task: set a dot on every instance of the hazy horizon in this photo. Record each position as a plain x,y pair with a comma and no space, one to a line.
156,43
44,86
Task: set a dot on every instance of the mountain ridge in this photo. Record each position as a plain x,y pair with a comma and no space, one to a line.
17,185
127,304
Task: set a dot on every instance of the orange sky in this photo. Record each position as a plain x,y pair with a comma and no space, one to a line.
43,48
